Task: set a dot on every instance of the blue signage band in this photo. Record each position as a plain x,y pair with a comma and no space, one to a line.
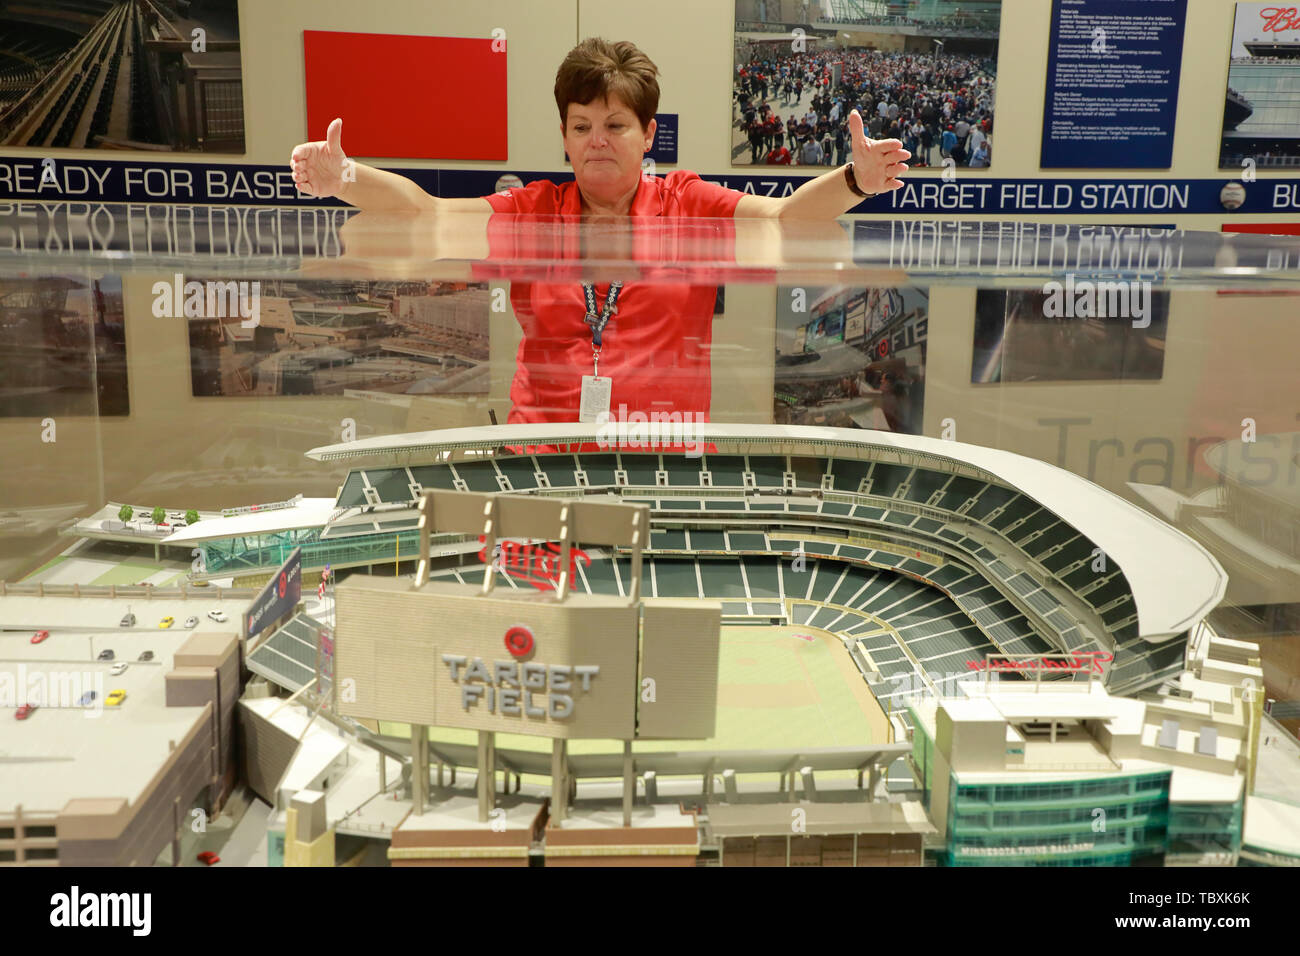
143,182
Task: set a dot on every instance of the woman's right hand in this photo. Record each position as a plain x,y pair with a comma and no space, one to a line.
319,168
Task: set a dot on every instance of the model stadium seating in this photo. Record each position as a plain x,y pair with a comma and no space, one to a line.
955,564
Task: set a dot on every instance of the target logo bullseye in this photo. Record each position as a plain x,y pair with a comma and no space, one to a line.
519,641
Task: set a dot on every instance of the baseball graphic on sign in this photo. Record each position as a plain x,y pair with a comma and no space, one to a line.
1232,195
507,182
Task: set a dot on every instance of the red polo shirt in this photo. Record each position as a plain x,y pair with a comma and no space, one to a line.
656,347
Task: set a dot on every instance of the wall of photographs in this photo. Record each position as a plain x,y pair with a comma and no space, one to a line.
989,92
913,69
327,337
1261,108
851,358
102,75
926,76
62,347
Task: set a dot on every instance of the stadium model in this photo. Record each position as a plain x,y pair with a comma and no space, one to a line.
928,652
1012,555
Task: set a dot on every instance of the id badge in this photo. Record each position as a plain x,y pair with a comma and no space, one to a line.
596,392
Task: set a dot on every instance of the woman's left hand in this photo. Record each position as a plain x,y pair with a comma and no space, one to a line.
877,163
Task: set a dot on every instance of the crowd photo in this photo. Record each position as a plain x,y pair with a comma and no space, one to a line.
790,110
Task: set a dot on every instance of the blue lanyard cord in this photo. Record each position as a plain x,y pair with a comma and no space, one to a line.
599,321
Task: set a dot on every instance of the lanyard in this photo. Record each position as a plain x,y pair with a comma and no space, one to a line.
599,321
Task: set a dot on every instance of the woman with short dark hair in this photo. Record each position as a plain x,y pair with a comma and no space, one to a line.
656,352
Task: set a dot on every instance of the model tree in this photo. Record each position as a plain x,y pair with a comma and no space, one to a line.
124,513
159,514
191,516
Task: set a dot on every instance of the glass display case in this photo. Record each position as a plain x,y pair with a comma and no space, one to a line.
195,399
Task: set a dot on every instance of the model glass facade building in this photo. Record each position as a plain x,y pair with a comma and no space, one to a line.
1024,773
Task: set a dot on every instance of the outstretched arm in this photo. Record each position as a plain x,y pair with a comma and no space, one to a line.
322,169
877,164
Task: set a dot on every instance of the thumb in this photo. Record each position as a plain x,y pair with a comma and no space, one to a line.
334,135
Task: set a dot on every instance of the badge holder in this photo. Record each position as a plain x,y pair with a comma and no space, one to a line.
593,406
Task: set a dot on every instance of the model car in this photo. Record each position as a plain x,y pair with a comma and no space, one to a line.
219,616
118,668
146,656
128,620
25,711
166,622
114,698
87,699
208,857
106,654
191,622
40,636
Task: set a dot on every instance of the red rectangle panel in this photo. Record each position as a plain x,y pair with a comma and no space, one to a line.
1265,228
408,97
1268,229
